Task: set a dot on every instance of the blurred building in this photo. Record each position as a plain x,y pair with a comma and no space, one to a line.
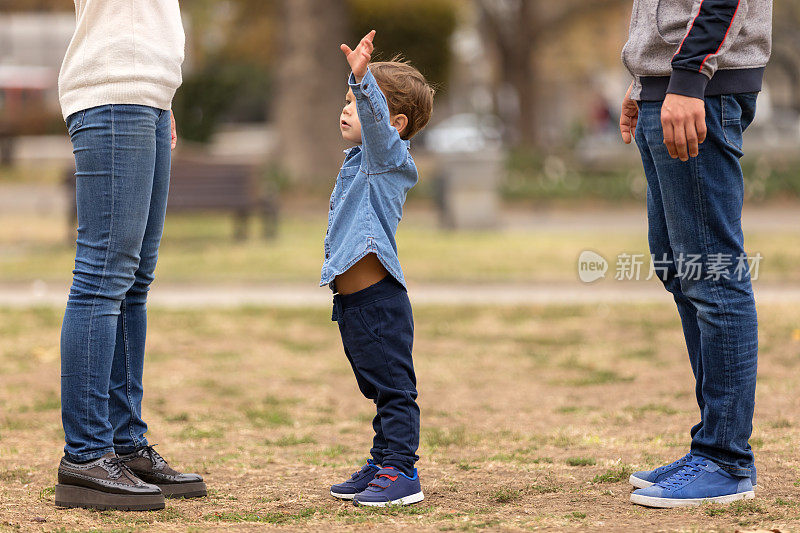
32,47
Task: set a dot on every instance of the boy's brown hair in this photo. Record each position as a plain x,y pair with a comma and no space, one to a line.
407,92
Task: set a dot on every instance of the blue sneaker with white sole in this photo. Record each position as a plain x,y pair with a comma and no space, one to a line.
700,480
391,487
645,478
357,482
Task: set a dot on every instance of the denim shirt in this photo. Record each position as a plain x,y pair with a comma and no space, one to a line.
367,201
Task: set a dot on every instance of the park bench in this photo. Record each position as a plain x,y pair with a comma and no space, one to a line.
6,144
203,187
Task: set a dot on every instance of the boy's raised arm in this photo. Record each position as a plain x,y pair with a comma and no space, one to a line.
381,142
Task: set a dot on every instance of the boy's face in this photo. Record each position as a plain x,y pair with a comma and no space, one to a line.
348,120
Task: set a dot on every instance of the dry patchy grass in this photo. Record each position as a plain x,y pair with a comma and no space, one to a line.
533,418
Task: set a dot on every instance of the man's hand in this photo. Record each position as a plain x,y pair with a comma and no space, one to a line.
628,118
683,120
174,131
359,58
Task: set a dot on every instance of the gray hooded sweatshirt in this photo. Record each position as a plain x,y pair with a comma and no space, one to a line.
697,48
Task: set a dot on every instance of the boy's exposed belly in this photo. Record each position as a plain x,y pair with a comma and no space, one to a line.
367,271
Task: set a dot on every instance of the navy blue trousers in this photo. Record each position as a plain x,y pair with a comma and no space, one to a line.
377,328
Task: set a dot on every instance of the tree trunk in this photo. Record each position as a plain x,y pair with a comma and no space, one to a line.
511,34
516,29
522,76
310,88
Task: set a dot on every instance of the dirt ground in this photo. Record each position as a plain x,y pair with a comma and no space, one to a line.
533,418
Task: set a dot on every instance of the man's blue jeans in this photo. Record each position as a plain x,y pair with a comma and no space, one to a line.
122,160
694,211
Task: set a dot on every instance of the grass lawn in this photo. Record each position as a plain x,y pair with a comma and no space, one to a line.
533,418
199,249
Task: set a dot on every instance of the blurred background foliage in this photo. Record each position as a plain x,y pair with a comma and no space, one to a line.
233,76
418,30
547,72
232,54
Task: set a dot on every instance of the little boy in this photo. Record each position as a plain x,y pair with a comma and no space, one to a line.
386,105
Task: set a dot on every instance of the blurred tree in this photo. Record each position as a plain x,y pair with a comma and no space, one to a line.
229,71
309,88
280,60
783,73
311,70
514,29
418,30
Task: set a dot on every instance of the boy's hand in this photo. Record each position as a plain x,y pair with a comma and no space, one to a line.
359,58
628,118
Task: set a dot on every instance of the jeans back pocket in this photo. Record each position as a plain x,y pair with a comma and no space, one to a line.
738,111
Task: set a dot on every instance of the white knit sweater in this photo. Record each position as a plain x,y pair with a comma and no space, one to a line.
122,52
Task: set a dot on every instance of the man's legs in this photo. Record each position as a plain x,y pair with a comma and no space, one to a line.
701,201
666,270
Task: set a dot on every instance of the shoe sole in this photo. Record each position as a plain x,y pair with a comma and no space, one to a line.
196,489
407,500
341,496
669,503
640,483
71,496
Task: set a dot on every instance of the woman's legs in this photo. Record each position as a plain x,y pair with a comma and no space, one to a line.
125,402
116,158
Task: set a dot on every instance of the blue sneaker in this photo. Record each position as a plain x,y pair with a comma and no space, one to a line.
700,480
391,487
357,482
645,478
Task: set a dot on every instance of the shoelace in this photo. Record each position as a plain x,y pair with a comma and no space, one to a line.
117,468
690,471
153,455
683,460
